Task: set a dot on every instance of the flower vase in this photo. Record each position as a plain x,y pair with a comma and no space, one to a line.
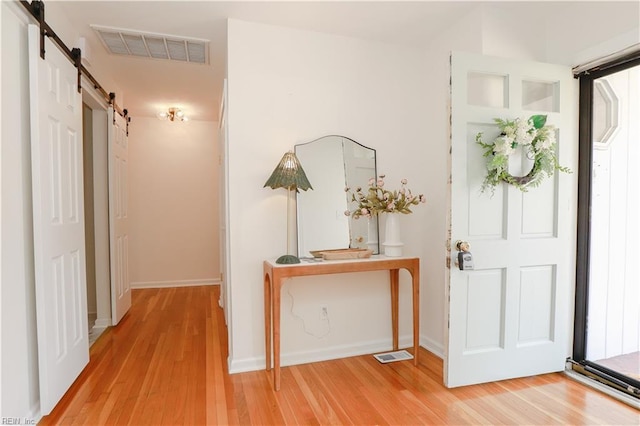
372,233
392,243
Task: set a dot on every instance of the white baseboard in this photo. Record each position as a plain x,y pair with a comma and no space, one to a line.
324,354
432,346
102,323
34,416
245,365
176,283
334,352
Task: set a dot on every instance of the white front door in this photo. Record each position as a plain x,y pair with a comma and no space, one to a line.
118,216
511,315
58,220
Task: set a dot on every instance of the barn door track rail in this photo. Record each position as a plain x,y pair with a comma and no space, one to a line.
36,9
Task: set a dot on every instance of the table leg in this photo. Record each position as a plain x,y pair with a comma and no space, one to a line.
267,320
276,331
415,283
394,275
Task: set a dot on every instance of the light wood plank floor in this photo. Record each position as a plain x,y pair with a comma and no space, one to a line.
166,364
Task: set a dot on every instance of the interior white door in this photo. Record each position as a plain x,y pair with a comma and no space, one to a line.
225,268
511,315
58,220
118,216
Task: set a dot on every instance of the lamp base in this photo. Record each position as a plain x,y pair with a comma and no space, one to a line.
287,259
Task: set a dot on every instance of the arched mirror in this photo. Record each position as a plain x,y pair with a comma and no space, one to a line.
331,164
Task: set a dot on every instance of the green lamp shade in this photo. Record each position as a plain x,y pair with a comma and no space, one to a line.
289,174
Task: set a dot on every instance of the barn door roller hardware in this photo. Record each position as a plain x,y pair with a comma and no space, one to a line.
124,114
36,9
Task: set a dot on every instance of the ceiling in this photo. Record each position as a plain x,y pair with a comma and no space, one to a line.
151,85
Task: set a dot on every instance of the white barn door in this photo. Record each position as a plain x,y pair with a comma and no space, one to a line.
511,316
118,216
58,220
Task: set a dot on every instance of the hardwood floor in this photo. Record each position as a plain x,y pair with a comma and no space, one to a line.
165,364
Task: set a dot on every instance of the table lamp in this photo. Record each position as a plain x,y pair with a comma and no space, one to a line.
288,174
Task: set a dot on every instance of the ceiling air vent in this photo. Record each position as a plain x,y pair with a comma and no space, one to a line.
149,45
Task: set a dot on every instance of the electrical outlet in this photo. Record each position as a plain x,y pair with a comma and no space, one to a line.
324,312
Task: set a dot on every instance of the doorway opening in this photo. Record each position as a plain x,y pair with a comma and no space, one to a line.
87,154
96,210
607,322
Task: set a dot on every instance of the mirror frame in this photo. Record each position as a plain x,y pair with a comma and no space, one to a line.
371,224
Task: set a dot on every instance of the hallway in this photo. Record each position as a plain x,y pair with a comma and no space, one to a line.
158,367
151,368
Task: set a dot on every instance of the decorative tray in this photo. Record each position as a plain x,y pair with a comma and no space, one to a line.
341,254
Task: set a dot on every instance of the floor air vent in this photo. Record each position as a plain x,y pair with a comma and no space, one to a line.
150,45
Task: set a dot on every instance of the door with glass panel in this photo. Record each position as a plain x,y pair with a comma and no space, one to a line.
608,331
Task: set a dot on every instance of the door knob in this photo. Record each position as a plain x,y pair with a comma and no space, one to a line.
464,259
462,245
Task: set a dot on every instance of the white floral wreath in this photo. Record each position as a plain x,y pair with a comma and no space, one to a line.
533,135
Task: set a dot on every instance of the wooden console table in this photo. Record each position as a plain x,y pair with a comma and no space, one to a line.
274,273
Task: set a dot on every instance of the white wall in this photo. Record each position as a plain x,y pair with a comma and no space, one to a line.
466,35
55,16
596,30
288,87
1,226
173,203
20,393
1,10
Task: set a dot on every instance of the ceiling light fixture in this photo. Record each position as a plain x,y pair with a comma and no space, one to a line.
173,114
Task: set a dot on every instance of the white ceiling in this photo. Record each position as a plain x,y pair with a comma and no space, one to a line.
151,85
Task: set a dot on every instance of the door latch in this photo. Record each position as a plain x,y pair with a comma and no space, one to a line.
464,259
